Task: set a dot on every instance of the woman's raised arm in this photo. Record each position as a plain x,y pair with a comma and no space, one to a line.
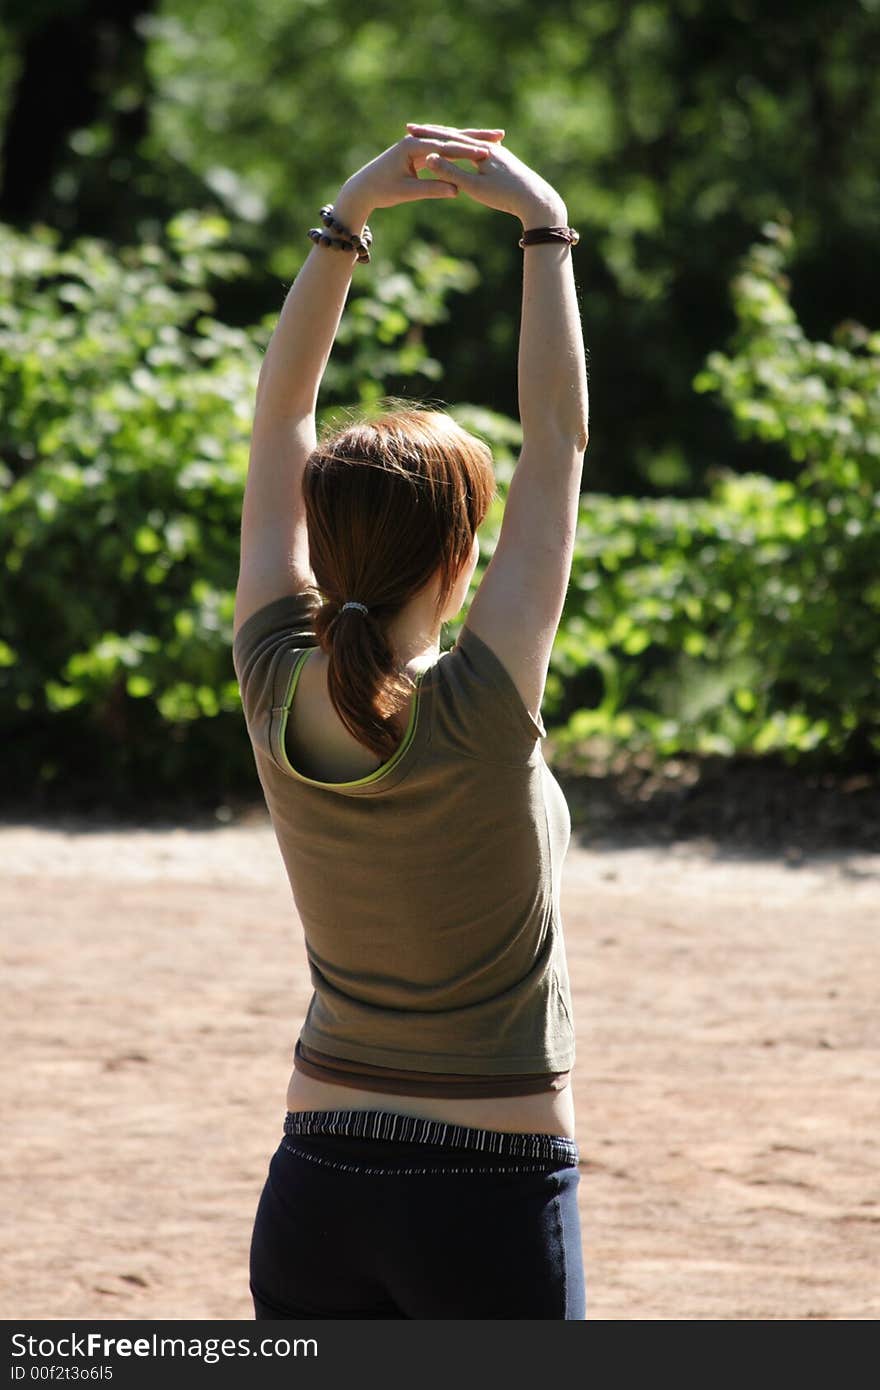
297,355
274,534
552,367
518,605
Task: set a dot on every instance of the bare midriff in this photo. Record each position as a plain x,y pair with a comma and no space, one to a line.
547,1112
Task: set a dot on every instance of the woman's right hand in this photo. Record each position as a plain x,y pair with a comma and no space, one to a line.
502,181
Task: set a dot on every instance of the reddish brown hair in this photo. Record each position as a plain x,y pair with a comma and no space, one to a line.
390,501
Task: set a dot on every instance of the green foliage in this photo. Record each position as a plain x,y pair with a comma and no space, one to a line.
126,412
746,622
688,623
749,622
125,426
383,326
673,128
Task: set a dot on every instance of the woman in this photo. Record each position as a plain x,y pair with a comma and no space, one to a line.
428,1167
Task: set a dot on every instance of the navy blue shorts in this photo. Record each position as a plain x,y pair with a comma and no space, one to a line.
371,1214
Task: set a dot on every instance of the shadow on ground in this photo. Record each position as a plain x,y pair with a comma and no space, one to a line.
739,804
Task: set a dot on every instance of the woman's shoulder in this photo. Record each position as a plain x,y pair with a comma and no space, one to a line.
478,705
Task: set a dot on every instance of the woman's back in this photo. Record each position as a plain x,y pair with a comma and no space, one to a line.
428,888
318,743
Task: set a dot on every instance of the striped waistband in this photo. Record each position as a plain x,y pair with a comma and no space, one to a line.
412,1129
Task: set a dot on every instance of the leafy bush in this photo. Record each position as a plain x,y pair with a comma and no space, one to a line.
126,412
749,622
743,623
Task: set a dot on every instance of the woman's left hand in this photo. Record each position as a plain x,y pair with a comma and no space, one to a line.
392,177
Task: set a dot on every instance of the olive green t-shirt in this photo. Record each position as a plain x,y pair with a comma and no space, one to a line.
428,891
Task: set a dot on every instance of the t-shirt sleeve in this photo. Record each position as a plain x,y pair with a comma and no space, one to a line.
264,652
480,711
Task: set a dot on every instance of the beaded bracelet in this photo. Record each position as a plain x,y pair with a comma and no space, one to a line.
346,241
537,235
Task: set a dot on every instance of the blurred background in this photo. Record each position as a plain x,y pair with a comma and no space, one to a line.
161,161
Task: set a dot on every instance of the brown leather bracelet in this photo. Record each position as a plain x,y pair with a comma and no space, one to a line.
537,235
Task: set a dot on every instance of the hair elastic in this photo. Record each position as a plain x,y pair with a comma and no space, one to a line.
353,604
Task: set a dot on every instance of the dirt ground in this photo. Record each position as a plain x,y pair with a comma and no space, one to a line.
727,1076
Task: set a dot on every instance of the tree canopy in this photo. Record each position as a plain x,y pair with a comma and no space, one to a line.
673,128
